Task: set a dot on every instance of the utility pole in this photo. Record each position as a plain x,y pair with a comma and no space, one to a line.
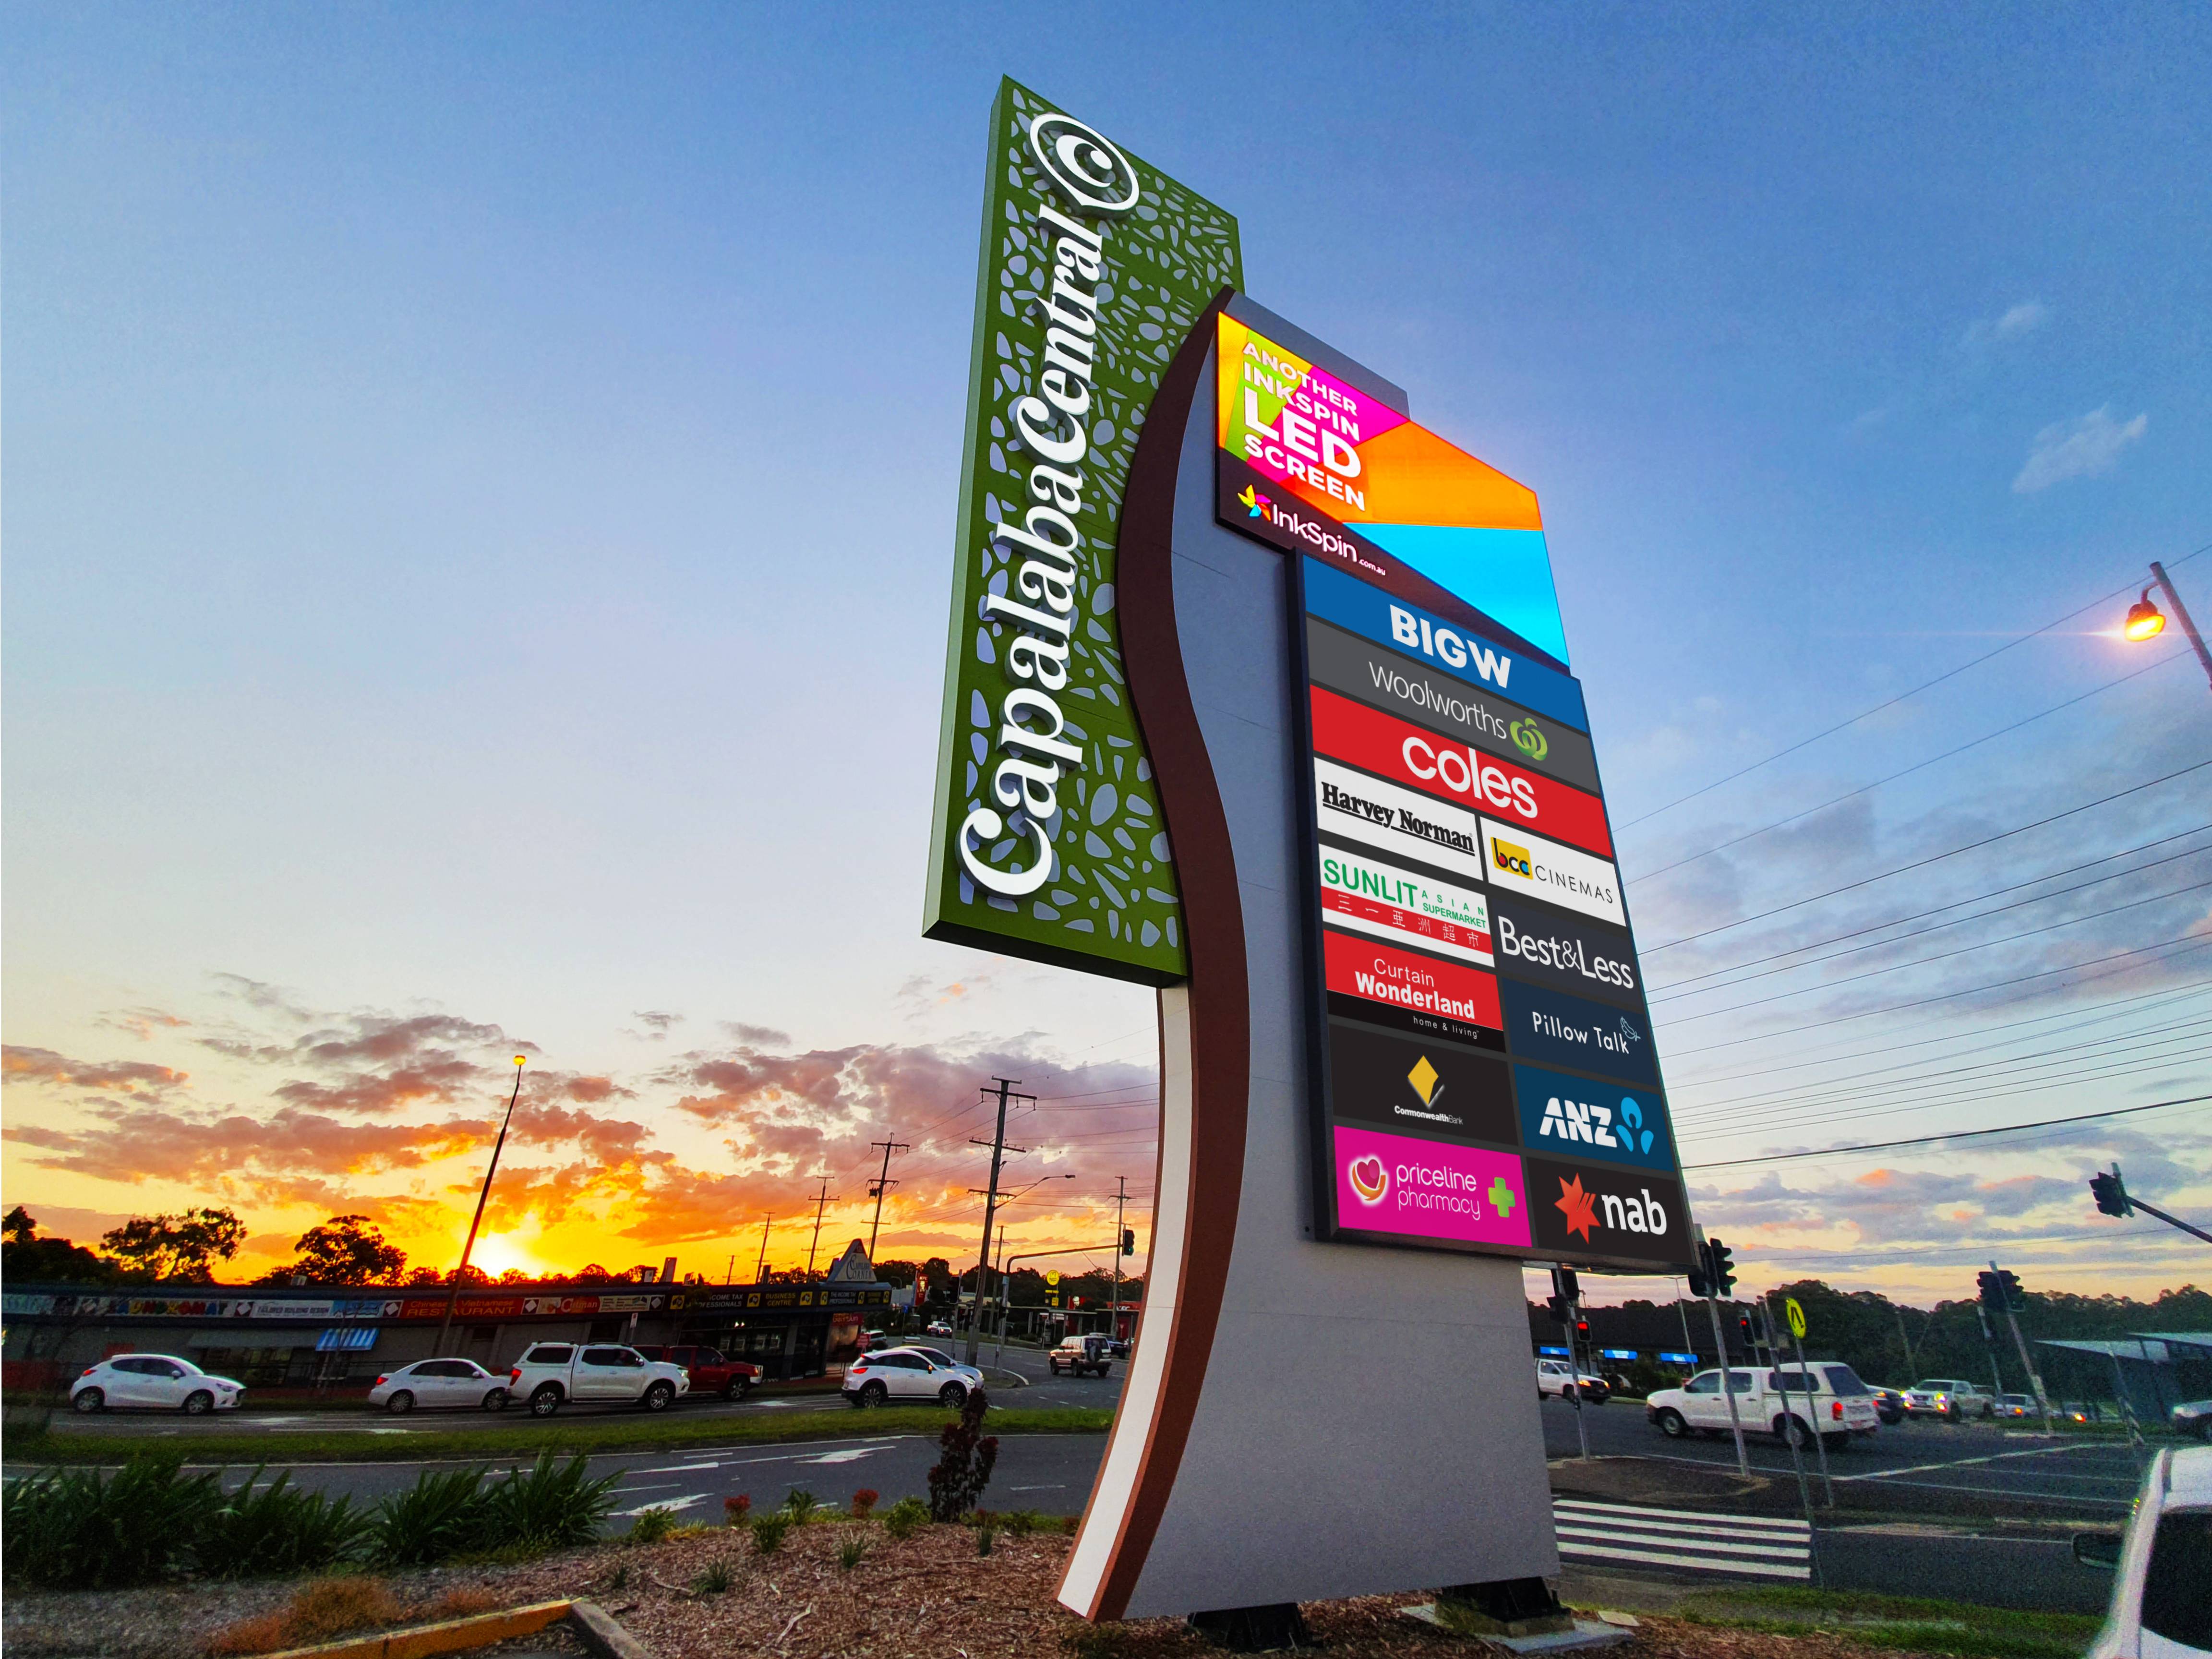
461,1272
760,1268
1121,1201
998,1150
882,1184
1911,1365
821,1204
2009,1285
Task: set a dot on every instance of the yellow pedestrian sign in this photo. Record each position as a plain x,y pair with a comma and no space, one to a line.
1795,1314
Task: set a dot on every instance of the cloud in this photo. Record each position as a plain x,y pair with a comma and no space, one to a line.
128,1077
2077,449
2021,319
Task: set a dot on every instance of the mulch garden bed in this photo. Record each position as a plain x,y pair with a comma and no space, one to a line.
928,1596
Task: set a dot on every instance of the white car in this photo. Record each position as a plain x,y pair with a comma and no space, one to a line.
1824,1397
1555,1378
1951,1397
551,1373
431,1384
938,1328
155,1381
2162,1602
876,1379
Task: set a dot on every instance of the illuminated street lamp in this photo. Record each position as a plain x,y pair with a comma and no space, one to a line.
2146,622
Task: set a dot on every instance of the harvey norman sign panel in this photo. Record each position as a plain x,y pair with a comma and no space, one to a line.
1483,1074
1047,838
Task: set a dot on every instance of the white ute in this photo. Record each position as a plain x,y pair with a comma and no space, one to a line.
550,1373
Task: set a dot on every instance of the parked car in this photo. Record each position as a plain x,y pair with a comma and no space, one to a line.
1949,1397
1557,1377
156,1382
432,1383
1080,1356
1824,1397
2161,1606
550,1373
1888,1405
2015,1405
708,1370
876,1379
2193,1417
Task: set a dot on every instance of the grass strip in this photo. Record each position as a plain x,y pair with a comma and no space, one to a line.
589,1435
1909,1624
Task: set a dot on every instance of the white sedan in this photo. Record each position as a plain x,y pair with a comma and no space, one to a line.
153,1382
430,1383
905,1374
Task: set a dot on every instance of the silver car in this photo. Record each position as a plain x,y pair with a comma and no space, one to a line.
454,1385
155,1381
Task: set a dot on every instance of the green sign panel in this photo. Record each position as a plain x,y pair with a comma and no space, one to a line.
1047,839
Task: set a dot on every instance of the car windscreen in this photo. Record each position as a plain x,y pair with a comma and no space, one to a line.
1845,1381
2177,1597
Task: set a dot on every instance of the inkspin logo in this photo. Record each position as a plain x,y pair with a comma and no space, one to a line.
1257,506
1529,739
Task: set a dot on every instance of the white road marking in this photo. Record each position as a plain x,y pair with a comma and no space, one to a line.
678,1469
682,1503
1963,1463
1758,1546
852,1455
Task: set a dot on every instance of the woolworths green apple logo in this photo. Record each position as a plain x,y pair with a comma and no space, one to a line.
1529,739
1502,1198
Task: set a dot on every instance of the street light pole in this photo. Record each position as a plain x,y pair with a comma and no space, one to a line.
2144,622
445,1325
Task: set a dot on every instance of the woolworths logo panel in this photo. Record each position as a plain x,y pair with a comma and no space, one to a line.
1047,839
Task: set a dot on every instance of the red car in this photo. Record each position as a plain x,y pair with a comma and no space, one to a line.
709,1372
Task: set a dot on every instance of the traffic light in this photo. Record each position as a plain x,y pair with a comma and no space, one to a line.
1563,1284
1720,1265
2013,1299
1992,1290
2111,1194
1128,1241
1582,1329
1558,1307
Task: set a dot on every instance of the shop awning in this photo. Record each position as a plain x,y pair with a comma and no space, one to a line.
346,1339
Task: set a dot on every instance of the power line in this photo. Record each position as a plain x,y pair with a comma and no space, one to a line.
2188,988
1937,910
1940,956
1947,996
1917,864
1918,766
1902,697
1960,1134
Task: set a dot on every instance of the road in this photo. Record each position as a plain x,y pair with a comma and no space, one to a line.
1969,1464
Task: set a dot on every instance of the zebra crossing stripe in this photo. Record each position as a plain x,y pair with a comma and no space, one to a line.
1744,1546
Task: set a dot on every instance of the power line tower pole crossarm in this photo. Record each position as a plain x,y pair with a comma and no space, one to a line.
998,1150
882,1184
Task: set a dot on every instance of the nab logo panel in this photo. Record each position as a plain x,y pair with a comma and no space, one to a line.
1565,952
1564,1030
1587,1208
1582,1118
1437,1091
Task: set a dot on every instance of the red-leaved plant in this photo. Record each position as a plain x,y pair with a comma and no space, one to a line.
863,1501
735,1510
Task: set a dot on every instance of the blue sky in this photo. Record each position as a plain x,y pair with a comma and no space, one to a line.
479,488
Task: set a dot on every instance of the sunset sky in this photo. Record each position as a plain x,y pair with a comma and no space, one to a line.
478,511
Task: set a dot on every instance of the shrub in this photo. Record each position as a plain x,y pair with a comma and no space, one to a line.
799,1505
441,1515
652,1525
1022,1523
864,1502
619,1578
715,1580
769,1531
960,1474
736,1509
276,1529
554,1506
329,1608
905,1517
77,1529
987,1537
849,1553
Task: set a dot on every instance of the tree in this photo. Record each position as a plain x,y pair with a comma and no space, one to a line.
26,1258
422,1276
898,1273
348,1249
591,1273
184,1245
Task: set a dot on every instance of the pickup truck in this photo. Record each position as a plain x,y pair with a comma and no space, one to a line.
1080,1354
550,1373
1824,1398
1951,1397
710,1373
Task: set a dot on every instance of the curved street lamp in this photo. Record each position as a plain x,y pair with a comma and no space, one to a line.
2147,621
